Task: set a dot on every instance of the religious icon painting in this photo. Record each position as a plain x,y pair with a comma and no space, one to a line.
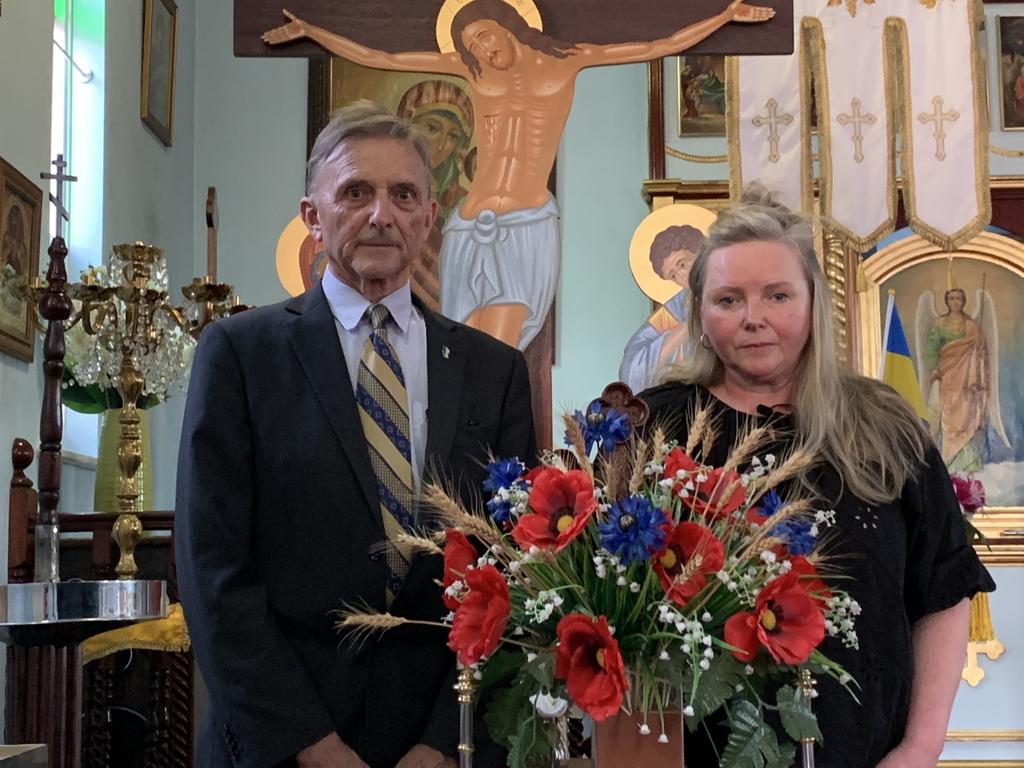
159,39
961,317
661,253
1010,42
701,96
21,211
440,105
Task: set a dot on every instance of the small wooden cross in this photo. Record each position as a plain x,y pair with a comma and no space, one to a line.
856,120
773,121
939,118
60,177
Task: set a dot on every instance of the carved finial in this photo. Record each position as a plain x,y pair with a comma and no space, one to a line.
60,177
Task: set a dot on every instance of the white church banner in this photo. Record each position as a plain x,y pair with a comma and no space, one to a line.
864,57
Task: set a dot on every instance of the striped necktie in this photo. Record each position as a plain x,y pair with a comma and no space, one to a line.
384,413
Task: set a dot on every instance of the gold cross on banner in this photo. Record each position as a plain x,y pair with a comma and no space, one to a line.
772,120
856,120
939,118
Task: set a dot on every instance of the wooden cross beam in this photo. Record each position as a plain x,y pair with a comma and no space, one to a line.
409,25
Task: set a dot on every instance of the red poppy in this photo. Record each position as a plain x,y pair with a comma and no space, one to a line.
459,554
719,494
561,504
588,659
481,616
682,576
785,620
809,581
677,459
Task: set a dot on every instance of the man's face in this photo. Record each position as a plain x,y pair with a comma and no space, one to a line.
676,267
370,210
444,134
491,44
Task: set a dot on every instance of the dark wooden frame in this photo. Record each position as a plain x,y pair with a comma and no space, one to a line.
163,131
22,345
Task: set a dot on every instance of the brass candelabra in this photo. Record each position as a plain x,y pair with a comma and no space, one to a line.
141,344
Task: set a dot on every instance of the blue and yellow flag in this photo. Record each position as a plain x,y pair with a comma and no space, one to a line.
897,367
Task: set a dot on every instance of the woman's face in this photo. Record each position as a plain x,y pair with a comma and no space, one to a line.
756,311
444,134
955,302
676,267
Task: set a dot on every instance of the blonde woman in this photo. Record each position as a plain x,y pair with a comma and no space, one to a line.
761,314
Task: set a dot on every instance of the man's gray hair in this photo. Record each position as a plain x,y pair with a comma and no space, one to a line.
363,119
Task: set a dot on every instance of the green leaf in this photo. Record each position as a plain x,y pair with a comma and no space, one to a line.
716,685
747,738
797,716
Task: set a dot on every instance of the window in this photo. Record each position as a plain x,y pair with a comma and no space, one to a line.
77,134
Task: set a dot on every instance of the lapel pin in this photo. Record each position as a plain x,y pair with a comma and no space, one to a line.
445,352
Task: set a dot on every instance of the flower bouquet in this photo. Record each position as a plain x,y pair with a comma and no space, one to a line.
627,577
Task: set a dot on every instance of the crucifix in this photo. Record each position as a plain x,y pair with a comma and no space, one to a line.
773,121
939,118
856,120
60,178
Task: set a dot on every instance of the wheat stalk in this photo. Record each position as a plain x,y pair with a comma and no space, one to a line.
754,440
795,465
574,435
639,463
701,419
451,513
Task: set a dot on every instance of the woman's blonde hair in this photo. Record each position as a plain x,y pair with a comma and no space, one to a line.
861,427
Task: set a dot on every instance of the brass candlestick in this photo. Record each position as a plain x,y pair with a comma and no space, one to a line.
137,349
465,687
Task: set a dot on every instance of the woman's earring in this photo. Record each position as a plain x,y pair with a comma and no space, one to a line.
705,341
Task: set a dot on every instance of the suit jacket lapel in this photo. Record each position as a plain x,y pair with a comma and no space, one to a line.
446,365
315,340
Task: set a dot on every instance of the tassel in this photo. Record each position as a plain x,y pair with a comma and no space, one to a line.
980,628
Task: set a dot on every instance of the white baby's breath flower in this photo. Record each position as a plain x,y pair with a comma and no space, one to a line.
645,729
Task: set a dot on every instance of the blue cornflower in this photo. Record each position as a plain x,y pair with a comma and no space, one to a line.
503,473
500,509
796,534
635,529
606,429
769,504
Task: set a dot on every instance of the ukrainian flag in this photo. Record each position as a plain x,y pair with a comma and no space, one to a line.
897,367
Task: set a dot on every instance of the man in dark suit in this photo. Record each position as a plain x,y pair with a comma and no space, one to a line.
288,484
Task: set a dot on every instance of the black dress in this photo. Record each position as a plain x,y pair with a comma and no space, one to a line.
905,559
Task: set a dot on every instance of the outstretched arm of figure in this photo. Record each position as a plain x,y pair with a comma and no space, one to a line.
687,37
410,61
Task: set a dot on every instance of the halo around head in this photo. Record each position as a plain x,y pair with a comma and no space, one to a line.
650,282
525,8
289,256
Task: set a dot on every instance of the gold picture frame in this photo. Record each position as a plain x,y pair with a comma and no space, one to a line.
159,42
21,214
996,255
1010,55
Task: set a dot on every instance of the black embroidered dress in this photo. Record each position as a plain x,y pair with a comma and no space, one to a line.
905,559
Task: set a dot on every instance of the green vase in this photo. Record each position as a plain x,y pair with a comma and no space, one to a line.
108,473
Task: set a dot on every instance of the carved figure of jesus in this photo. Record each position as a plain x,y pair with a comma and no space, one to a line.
500,255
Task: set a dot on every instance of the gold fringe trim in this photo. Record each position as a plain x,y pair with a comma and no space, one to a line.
168,634
709,159
1004,152
980,628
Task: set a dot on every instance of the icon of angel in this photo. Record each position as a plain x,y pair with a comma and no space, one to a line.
958,368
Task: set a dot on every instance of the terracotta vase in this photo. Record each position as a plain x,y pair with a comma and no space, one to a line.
618,742
108,473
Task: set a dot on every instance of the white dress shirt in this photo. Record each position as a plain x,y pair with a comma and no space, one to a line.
407,333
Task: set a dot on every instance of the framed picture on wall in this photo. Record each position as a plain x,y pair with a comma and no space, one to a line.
1010,42
21,212
159,38
701,97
